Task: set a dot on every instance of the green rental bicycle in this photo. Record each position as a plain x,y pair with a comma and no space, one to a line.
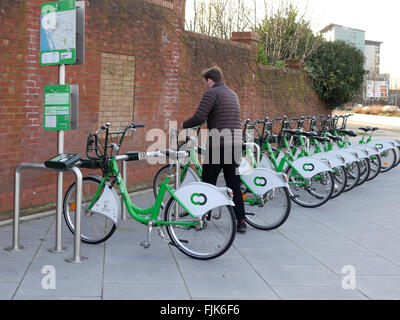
267,204
311,180
198,219
389,150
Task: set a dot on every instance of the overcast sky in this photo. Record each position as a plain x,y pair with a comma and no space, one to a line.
380,19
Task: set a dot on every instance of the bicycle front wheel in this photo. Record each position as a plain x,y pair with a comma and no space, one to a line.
95,227
212,237
269,212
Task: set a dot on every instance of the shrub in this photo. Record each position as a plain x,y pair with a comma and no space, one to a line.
337,70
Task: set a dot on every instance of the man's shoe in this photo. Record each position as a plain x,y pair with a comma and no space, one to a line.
241,226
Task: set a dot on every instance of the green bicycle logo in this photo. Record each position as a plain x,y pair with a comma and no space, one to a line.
198,199
379,146
260,181
308,167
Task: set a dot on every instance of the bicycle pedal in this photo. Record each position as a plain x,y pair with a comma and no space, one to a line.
145,244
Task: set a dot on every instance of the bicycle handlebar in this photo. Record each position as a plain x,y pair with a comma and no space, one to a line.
93,140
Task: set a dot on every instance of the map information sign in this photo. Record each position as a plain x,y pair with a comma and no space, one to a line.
58,32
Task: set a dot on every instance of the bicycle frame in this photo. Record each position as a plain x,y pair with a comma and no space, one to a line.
287,159
142,215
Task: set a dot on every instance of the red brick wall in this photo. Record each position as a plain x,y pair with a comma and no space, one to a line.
168,85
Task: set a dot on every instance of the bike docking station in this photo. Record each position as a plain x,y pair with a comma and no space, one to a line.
62,30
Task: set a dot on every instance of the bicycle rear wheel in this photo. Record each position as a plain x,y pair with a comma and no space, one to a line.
365,169
170,171
340,180
353,175
267,213
388,159
213,236
313,192
376,164
95,227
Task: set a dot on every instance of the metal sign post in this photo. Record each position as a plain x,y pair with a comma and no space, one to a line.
60,181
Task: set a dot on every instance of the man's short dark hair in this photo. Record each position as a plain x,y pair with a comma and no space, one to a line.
213,73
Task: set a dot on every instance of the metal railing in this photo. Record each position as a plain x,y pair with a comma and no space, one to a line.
77,258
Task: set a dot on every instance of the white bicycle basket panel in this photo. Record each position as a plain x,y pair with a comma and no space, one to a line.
108,204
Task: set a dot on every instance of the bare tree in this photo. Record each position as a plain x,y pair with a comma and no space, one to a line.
219,18
285,34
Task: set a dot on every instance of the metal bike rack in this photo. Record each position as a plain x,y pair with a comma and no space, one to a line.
77,258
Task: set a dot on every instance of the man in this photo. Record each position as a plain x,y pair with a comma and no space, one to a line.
220,107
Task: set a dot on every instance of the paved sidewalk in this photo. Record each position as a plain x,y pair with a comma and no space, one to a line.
306,258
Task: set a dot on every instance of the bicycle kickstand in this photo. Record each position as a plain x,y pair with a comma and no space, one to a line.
146,243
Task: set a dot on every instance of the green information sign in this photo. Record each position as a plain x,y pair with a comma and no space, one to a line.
58,32
57,107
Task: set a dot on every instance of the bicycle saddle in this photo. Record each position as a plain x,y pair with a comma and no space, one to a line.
336,138
321,139
293,132
351,133
309,133
366,129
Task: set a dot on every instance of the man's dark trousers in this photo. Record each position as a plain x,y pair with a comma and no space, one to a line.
212,167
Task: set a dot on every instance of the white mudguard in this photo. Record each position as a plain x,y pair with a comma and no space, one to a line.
370,150
108,204
361,153
346,156
190,177
245,167
266,163
199,198
382,145
309,166
334,160
262,180
396,142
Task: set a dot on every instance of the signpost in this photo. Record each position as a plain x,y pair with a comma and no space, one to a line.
62,37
